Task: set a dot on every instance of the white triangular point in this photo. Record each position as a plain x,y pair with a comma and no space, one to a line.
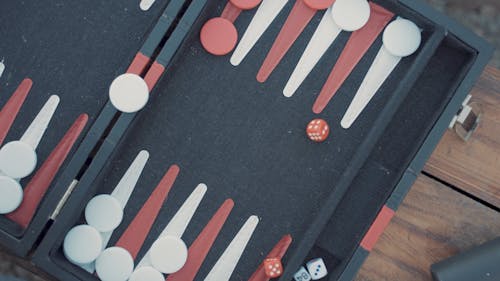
35,131
380,69
226,264
181,219
126,186
323,38
265,15
146,4
122,193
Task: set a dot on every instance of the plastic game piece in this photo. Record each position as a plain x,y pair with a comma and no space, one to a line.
122,193
104,213
265,15
201,246
82,244
355,48
40,182
135,234
317,269
114,264
224,267
347,15
318,130
302,275
302,13
11,109
146,273
181,219
219,35
168,254
146,4
23,151
12,194
24,157
278,252
273,267
401,38
129,93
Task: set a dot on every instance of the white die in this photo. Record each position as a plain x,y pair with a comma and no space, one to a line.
302,275
317,268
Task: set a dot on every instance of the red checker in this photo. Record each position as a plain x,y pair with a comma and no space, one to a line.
219,36
273,267
246,4
319,4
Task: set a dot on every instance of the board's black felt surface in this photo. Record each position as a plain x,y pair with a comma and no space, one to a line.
245,140
71,49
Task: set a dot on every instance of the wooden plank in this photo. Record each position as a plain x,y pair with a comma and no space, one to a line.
433,223
474,166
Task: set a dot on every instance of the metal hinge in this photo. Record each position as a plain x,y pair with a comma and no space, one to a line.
466,121
61,203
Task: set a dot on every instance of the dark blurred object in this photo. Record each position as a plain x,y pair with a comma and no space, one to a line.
477,264
9,278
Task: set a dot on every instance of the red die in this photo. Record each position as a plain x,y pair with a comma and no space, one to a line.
273,267
318,130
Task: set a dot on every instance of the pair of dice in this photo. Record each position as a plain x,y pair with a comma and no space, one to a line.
316,269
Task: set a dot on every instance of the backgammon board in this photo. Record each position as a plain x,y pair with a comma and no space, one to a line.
215,139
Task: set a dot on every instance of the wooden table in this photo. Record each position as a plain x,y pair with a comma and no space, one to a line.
454,204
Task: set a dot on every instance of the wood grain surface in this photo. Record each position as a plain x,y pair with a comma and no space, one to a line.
433,223
474,166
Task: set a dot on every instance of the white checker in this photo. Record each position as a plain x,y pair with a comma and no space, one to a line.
129,93
114,264
82,244
11,195
402,37
168,254
104,213
351,15
146,273
17,159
